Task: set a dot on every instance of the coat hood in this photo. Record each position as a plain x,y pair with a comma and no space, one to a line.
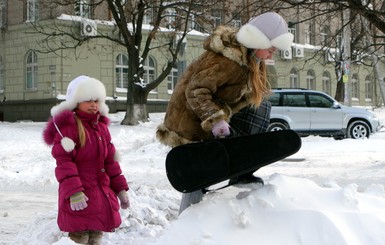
223,41
55,125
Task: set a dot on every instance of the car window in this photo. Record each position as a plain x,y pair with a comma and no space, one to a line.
319,101
274,99
294,100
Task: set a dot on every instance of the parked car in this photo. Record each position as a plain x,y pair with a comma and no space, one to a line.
310,112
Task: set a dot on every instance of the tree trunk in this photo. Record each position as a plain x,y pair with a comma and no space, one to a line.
380,76
136,106
135,113
340,91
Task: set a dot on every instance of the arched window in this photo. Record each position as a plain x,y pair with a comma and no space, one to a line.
326,84
121,71
294,80
172,79
149,71
310,80
368,88
355,87
31,71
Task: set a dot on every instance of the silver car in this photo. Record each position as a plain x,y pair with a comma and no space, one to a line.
310,112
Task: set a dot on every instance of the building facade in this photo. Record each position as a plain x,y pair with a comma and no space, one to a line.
32,81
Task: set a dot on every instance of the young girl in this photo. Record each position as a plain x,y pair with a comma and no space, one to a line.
229,78
89,175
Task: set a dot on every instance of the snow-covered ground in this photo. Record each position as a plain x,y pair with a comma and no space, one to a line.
334,196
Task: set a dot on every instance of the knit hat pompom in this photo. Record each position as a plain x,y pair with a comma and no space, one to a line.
80,89
265,31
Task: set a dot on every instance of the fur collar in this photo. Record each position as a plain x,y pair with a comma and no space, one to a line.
223,41
63,119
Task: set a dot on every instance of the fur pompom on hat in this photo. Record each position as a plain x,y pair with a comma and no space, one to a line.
83,88
265,31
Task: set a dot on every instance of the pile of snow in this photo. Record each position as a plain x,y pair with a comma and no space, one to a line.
330,192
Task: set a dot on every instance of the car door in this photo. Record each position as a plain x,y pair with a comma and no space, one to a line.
294,107
323,116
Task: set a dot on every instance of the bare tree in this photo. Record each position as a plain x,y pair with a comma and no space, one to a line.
366,41
179,16
170,23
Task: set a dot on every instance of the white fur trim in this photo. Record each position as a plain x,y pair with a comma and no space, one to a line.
117,156
103,108
68,144
283,41
251,37
65,105
83,88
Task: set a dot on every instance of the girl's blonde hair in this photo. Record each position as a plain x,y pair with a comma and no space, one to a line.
82,132
258,78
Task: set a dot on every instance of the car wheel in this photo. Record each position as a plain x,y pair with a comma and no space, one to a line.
276,126
358,130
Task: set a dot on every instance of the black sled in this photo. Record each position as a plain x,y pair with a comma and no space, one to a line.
197,166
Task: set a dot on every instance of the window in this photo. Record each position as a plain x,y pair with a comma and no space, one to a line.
368,88
172,79
310,33
83,9
148,16
325,36
274,99
236,21
294,82
293,29
294,100
326,85
319,101
2,77
170,17
31,71
149,71
121,71
32,10
310,80
3,13
217,17
355,87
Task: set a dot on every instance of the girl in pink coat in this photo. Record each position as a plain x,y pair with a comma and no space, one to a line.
89,175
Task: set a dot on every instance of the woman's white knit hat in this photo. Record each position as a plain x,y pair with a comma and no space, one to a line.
265,31
83,88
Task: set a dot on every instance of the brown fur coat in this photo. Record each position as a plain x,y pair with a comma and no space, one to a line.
213,88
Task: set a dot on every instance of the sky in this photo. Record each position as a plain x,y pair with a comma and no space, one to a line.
329,192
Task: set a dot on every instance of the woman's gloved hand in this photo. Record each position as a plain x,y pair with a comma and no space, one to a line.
221,129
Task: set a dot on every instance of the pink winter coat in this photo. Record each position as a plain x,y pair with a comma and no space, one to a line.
91,169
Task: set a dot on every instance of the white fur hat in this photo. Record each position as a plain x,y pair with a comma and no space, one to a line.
265,31
83,88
